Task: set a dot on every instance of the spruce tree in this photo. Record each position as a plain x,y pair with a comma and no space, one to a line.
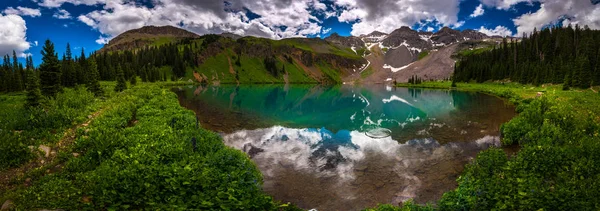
133,80
81,73
121,83
34,95
93,85
17,73
50,71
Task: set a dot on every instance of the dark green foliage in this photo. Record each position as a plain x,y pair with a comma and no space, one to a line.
415,80
68,72
18,74
35,124
553,55
34,95
14,151
50,71
150,164
556,168
93,85
133,80
121,83
271,66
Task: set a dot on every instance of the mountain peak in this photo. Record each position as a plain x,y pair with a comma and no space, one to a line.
146,35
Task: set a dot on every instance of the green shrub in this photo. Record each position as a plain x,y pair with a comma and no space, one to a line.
138,155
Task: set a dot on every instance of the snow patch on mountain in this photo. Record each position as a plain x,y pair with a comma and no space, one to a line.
394,69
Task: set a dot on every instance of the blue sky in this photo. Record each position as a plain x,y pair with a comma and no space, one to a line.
89,24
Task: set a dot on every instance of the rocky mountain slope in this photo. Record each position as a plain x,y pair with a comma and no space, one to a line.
390,56
373,58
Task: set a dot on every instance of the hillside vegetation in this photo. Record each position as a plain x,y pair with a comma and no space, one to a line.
568,56
218,59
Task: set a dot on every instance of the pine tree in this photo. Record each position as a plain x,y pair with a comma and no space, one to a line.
121,83
82,71
50,71
93,84
133,80
34,95
567,82
17,73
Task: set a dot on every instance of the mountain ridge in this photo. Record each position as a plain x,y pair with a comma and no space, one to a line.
375,57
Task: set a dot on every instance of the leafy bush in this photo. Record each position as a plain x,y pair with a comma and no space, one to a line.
138,155
12,150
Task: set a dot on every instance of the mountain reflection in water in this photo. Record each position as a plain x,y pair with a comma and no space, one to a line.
310,143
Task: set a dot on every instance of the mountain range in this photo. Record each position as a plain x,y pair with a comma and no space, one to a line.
372,58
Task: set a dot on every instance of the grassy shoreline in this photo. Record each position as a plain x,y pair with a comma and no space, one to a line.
558,166
134,152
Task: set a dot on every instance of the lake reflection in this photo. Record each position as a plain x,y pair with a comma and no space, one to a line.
310,142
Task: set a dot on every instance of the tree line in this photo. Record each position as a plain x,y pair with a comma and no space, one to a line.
51,76
53,73
558,55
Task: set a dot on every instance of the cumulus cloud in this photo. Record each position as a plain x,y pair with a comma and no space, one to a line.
498,31
385,16
13,35
276,18
23,11
62,14
478,11
581,12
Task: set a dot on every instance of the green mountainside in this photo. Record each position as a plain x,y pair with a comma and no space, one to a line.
218,59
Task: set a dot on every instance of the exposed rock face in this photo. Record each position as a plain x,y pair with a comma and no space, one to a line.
373,37
447,36
347,42
408,37
473,35
400,57
141,37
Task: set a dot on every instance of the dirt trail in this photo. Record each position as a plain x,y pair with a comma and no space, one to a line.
11,178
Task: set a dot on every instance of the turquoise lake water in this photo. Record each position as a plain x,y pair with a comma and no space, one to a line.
317,146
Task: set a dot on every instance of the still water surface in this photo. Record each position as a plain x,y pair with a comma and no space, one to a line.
315,146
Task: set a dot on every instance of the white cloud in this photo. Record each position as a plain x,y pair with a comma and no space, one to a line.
503,4
13,35
325,30
430,29
62,14
385,16
102,40
23,11
478,11
203,17
581,12
58,3
498,31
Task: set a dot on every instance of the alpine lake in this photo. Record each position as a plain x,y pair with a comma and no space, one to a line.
351,147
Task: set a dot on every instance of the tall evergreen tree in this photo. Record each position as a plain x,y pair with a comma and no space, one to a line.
93,85
69,77
50,71
133,80
82,71
34,95
121,83
17,73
